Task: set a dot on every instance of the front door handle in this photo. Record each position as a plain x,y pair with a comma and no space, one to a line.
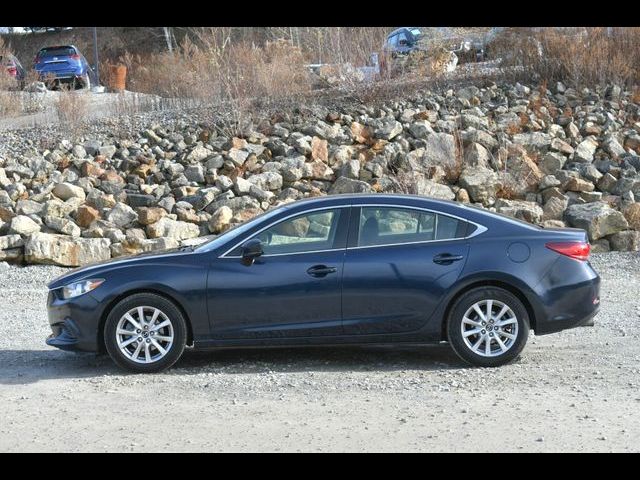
446,258
321,270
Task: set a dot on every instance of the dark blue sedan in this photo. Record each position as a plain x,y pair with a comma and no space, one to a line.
336,270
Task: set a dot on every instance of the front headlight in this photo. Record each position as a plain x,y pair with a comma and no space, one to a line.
80,288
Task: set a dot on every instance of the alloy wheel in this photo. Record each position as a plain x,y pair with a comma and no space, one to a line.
144,334
489,328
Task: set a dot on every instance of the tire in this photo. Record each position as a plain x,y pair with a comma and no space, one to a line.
510,330
86,81
149,357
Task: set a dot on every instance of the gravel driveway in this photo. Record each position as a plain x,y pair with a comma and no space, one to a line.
573,391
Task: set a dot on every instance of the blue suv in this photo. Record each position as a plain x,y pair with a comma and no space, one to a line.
64,65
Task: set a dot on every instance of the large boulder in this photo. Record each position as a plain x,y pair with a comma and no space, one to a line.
149,215
429,188
533,142
597,218
267,181
220,219
11,241
632,214
585,150
348,185
175,229
440,150
122,215
23,225
522,175
554,208
481,183
65,251
528,211
198,154
63,225
86,215
388,129
65,191
625,241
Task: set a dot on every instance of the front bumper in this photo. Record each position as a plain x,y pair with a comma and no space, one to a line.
74,323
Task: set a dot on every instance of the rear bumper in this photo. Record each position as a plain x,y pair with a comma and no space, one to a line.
570,297
74,323
61,75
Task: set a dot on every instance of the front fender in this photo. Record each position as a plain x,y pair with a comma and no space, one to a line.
184,284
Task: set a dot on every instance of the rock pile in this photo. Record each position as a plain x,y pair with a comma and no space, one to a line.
558,157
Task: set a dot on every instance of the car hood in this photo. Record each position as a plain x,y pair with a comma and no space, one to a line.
98,268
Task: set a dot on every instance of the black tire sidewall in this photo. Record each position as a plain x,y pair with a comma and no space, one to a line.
151,300
457,312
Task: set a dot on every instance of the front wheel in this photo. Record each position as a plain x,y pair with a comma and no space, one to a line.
488,326
145,333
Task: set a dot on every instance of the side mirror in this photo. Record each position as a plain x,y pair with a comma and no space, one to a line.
403,43
251,249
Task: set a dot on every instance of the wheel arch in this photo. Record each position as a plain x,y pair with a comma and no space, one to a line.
129,293
510,287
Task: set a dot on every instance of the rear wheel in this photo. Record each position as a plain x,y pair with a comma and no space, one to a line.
145,333
488,326
86,81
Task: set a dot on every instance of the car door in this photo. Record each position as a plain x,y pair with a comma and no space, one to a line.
404,45
399,264
292,290
392,44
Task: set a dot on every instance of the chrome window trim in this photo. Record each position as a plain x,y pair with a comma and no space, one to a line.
293,253
297,214
479,230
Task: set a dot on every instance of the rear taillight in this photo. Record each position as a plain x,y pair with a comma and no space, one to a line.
576,250
75,56
13,71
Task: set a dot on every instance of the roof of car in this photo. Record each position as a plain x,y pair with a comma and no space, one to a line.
401,29
468,211
364,198
51,47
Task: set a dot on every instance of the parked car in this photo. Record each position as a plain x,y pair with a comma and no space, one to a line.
14,68
64,65
344,269
47,29
404,40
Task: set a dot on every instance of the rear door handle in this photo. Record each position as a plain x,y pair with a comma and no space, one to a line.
446,258
321,270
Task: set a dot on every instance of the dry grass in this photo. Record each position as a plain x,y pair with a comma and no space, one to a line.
72,109
576,56
211,69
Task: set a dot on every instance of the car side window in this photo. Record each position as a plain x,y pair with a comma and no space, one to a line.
393,225
392,41
303,233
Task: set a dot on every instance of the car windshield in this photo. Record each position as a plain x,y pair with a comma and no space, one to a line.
237,230
56,52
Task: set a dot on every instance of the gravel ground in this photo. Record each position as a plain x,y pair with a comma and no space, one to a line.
572,391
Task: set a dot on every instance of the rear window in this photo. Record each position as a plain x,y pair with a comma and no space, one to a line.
394,225
56,52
